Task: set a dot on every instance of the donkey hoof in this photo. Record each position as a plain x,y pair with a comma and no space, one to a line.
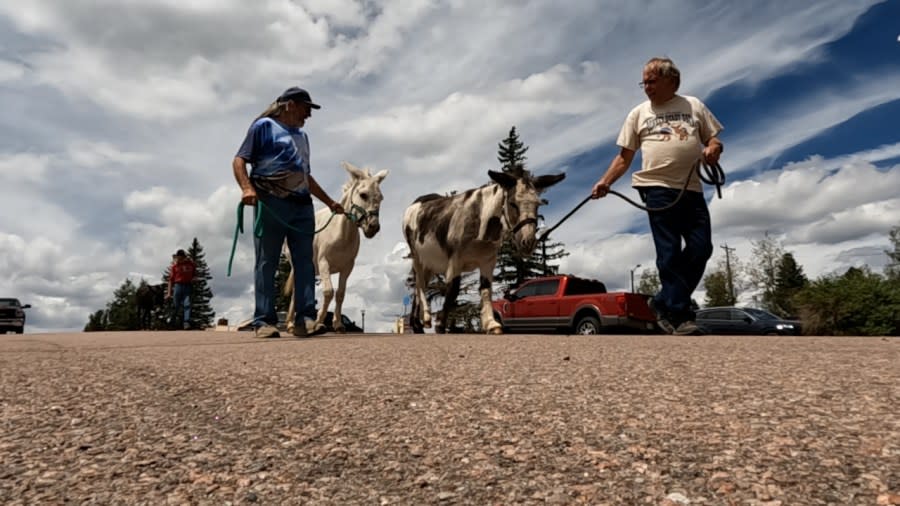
496,331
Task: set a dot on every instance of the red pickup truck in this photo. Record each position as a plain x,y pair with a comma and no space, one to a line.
572,305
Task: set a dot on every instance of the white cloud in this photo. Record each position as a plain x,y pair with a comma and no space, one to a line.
24,167
11,71
102,154
804,193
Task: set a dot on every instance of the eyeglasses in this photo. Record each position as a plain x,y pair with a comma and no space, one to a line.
648,82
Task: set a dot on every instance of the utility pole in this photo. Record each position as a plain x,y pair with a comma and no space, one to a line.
632,276
728,273
363,320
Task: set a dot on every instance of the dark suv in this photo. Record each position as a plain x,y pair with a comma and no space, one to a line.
746,321
349,325
12,316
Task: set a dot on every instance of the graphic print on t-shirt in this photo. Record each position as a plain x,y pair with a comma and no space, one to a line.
667,125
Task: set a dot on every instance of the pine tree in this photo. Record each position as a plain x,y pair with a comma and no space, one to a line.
121,312
547,252
96,321
511,152
511,269
789,279
202,314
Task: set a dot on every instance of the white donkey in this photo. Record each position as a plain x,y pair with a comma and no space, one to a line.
335,247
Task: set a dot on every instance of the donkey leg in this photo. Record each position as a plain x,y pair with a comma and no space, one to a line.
449,304
415,322
488,323
327,295
422,279
337,322
453,276
289,290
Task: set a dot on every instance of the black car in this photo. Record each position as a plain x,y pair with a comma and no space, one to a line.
12,316
745,321
349,325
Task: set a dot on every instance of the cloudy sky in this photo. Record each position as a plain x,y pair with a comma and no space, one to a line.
121,118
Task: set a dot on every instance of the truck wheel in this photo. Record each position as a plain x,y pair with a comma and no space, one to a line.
587,325
20,330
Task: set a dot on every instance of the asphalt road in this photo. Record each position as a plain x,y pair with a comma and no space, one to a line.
224,418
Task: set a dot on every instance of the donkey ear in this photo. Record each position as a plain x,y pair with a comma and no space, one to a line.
380,175
503,179
353,170
541,183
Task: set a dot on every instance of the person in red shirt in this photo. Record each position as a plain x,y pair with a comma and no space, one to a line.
181,278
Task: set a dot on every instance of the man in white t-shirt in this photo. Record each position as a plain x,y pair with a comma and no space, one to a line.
674,133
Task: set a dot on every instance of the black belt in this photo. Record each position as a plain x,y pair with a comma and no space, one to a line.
303,199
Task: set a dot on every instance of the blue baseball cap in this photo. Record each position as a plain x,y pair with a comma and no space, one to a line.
298,95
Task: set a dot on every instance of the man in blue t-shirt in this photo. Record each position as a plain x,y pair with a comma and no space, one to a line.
278,152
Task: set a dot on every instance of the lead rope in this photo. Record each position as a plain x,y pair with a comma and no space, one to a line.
355,215
714,175
257,226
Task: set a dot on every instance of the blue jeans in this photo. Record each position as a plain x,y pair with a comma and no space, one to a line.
181,298
302,221
680,267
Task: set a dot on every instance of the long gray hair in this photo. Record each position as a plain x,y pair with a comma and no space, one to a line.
274,110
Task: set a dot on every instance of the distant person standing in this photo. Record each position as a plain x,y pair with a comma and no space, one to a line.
674,133
277,149
181,279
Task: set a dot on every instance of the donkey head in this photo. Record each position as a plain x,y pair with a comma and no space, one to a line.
362,198
521,201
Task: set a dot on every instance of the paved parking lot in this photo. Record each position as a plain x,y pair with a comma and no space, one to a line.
220,417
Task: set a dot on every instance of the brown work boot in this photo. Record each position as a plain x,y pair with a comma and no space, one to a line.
267,331
689,328
661,321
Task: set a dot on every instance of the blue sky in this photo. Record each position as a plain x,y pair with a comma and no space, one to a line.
118,136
